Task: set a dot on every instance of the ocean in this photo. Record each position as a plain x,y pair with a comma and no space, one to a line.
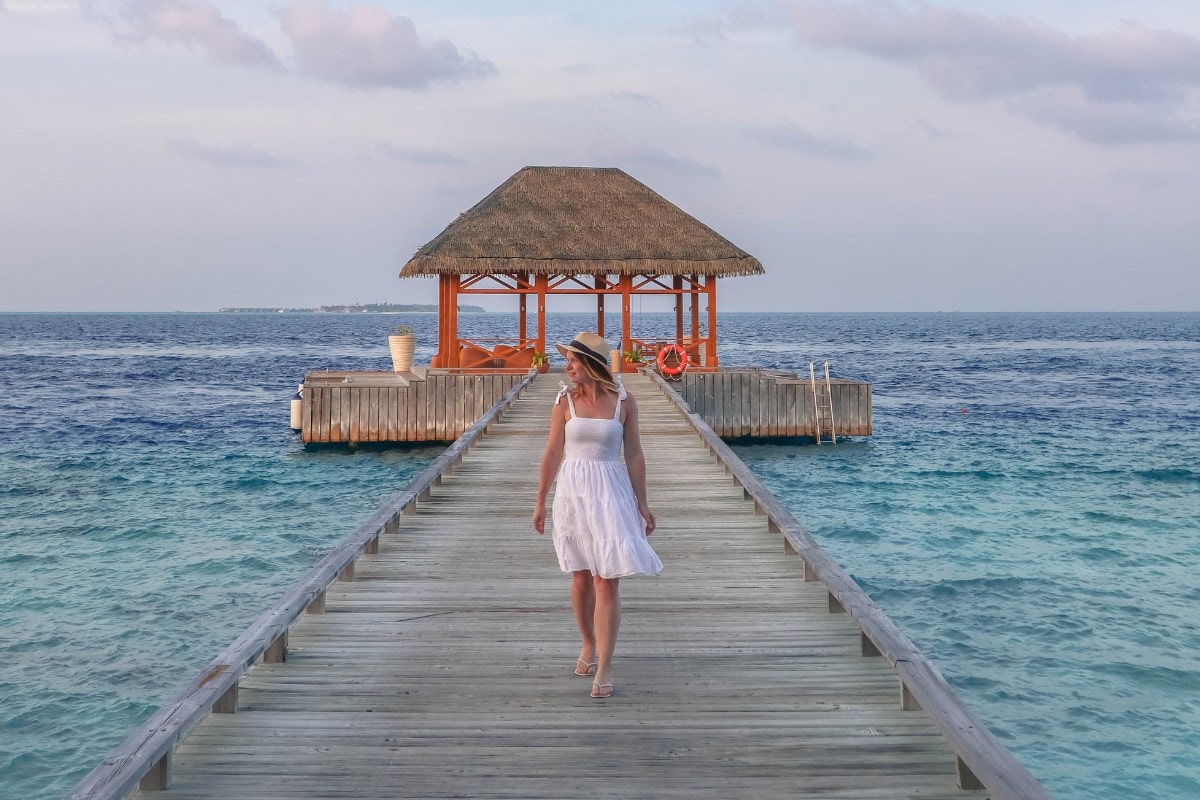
1027,511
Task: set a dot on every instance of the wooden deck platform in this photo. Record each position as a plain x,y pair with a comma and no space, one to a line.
441,664
419,406
754,403
430,405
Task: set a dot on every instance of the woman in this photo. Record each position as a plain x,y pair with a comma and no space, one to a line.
600,516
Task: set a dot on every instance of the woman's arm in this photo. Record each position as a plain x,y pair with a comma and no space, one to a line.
635,461
551,459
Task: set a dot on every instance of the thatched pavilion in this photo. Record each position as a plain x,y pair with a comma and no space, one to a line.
576,231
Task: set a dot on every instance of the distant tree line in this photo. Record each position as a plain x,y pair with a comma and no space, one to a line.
368,308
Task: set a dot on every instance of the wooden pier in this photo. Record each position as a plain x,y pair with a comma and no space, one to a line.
432,654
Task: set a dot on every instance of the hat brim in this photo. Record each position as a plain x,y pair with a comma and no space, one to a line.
592,356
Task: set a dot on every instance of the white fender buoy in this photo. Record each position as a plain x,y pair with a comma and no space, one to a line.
297,405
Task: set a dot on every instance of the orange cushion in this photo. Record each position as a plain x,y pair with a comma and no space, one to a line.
522,359
471,357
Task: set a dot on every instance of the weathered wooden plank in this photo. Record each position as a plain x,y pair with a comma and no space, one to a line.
334,411
316,397
421,404
487,384
375,431
720,393
438,411
328,421
339,411
392,402
450,411
356,413
410,413
750,390
773,413
307,425
745,387
463,401
445,409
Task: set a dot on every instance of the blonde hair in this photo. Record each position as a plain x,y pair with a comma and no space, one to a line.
599,375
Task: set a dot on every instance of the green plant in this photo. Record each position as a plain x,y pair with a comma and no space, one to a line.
633,356
402,330
540,358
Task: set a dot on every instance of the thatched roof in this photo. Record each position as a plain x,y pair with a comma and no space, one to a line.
578,221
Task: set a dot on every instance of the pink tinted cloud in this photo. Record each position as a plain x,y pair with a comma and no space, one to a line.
366,46
193,23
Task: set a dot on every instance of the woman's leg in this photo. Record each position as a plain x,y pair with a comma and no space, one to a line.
607,624
583,603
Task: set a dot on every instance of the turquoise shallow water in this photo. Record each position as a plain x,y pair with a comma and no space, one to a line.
1027,511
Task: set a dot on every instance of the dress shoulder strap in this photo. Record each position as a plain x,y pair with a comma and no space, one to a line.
621,395
565,391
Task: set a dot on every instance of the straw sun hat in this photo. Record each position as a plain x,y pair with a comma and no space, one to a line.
592,347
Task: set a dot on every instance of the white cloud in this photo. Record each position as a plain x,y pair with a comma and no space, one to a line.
414,155
636,156
1106,123
1091,85
791,137
365,46
238,155
636,99
194,23
33,7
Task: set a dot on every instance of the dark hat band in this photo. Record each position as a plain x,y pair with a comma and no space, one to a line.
583,349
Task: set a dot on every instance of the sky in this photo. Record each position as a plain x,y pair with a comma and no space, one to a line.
874,155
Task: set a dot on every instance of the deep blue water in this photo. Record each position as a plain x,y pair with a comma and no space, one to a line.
1028,511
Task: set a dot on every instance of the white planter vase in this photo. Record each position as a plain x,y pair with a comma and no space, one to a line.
402,348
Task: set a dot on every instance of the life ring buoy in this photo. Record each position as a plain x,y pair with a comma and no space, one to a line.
672,361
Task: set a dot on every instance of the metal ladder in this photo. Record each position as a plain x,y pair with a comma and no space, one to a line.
822,394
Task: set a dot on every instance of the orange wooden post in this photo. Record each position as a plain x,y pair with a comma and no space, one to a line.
452,321
626,310
541,283
601,285
677,285
523,281
443,320
710,286
695,295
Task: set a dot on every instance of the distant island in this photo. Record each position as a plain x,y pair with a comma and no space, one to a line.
369,308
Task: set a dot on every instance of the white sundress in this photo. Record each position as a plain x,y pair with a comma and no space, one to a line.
594,519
